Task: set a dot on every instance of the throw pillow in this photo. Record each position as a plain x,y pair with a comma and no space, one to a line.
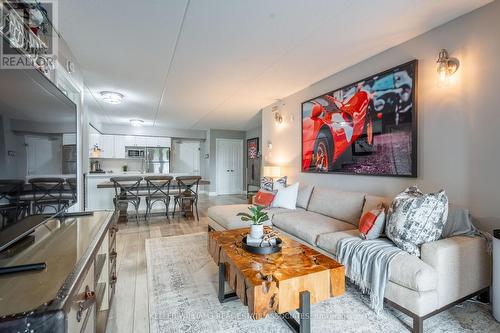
266,183
264,198
286,197
269,184
372,223
279,183
415,218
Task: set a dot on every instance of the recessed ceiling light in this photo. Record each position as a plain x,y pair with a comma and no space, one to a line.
111,97
136,122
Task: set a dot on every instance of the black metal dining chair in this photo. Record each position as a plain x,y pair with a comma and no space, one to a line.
48,193
12,208
127,192
72,183
158,190
188,191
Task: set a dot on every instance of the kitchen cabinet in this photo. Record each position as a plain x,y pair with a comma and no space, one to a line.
94,140
119,146
140,141
107,143
164,142
152,141
98,199
129,141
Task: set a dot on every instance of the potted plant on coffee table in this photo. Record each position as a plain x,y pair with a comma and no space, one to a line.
257,217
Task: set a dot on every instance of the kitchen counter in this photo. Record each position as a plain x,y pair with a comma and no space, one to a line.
131,173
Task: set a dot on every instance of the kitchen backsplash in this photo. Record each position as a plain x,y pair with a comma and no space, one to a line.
116,165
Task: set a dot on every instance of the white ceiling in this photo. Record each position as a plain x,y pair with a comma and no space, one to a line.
203,64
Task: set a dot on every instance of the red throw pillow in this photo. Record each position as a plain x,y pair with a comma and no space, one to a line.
371,224
264,198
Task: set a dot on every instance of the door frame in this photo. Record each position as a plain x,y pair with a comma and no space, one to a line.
217,180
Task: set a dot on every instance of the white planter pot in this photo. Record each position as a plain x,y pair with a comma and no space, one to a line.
256,231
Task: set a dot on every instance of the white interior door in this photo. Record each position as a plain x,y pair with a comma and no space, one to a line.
229,164
187,158
44,155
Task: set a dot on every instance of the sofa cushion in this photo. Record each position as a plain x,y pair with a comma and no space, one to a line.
373,201
308,225
411,272
226,217
344,206
328,242
304,195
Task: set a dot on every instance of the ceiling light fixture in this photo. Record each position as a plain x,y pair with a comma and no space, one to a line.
446,66
136,122
111,97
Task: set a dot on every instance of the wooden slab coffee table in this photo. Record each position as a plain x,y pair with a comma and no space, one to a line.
285,281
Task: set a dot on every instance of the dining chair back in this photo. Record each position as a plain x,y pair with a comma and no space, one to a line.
187,191
11,207
127,192
48,193
158,190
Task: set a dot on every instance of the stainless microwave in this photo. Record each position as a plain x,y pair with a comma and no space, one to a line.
134,152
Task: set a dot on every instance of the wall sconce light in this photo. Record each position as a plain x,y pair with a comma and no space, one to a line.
278,118
446,66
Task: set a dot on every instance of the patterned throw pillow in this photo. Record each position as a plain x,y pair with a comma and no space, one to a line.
372,223
416,218
268,184
280,183
264,198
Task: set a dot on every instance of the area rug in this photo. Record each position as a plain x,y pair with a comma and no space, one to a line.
182,284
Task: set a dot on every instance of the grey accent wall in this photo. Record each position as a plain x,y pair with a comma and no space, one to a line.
213,135
458,124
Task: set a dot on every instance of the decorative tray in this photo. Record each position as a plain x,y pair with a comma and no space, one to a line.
262,249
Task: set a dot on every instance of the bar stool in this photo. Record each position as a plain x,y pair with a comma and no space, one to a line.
48,193
11,206
158,191
127,192
187,193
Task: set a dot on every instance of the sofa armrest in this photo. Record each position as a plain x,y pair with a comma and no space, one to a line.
462,264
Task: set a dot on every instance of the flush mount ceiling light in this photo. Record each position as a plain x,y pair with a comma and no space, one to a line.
136,122
446,66
111,97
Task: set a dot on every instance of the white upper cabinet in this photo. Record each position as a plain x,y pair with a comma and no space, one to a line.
129,140
151,141
107,145
141,141
120,144
94,140
164,142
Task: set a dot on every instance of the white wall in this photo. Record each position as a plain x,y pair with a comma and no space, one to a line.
458,125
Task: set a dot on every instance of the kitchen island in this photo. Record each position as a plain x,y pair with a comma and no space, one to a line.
102,198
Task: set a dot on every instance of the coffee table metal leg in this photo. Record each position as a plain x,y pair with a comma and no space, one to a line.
304,315
223,297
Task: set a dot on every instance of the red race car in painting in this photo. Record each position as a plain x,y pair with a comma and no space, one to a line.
332,128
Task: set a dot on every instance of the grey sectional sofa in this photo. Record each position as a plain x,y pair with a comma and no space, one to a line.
448,272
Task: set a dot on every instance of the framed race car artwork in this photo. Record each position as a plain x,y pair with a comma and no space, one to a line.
368,127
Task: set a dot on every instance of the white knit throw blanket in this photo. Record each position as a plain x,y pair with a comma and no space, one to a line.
367,265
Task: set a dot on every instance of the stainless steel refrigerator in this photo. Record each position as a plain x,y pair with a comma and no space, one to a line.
157,160
69,156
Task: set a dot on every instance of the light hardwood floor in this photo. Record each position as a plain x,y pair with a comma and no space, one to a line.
130,312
